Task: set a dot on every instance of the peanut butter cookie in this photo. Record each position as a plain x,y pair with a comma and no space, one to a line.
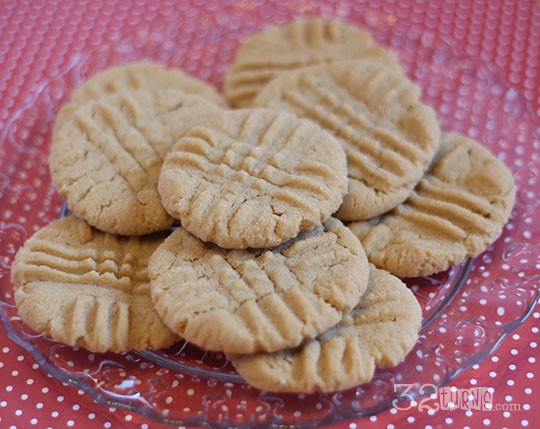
243,301
455,212
380,330
300,43
86,288
106,158
253,178
388,134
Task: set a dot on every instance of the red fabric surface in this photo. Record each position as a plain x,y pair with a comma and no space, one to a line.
37,38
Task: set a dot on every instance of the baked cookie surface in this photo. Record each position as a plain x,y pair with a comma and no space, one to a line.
89,289
455,212
253,178
300,43
106,158
380,330
136,76
388,134
242,301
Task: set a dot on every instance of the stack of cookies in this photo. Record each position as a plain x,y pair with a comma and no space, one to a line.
272,231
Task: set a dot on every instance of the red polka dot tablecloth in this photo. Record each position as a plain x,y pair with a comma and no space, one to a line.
46,42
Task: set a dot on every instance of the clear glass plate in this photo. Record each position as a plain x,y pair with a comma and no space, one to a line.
467,311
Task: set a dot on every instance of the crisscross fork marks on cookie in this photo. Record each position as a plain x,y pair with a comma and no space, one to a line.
455,212
105,262
262,170
292,46
380,330
371,145
258,161
87,288
389,136
247,300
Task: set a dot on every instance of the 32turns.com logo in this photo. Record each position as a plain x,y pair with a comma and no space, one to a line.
448,398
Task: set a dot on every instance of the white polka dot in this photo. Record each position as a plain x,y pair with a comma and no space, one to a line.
513,352
510,382
526,407
70,423
34,421
530,375
18,412
533,344
528,390
3,404
493,374
448,420
473,381
524,423
511,367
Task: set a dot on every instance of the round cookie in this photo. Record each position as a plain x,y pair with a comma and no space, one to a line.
380,330
454,213
136,76
243,301
388,134
86,288
253,178
106,158
300,43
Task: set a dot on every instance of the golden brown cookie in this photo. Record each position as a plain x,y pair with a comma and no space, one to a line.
380,330
243,301
106,158
253,178
388,134
136,76
86,288
300,43
455,212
